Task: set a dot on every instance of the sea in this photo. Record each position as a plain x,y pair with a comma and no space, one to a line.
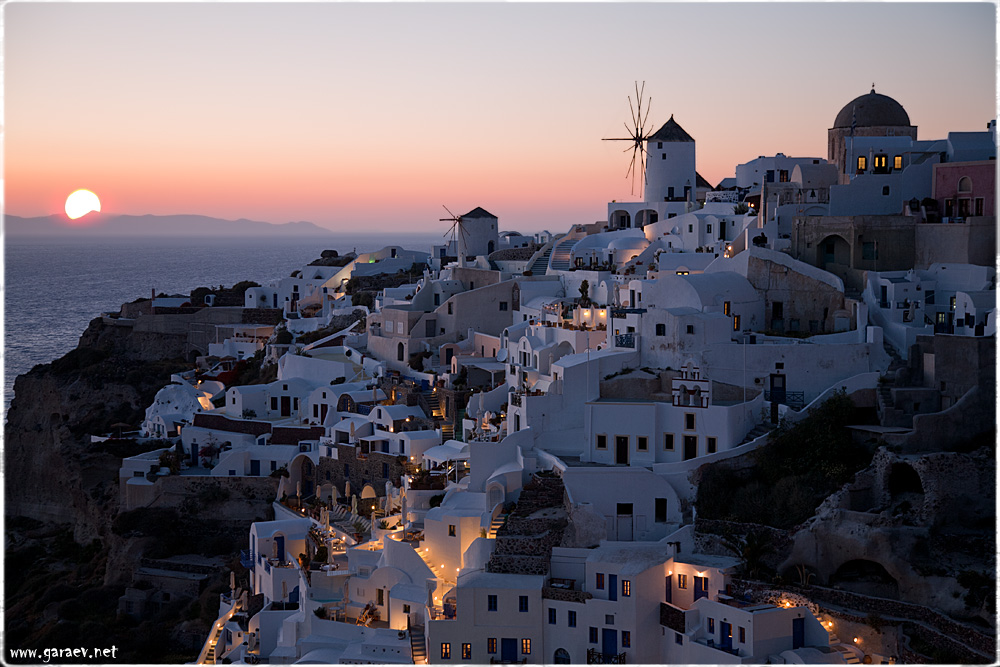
52,288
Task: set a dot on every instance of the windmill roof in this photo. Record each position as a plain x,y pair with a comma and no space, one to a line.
478,212
671,131
701,182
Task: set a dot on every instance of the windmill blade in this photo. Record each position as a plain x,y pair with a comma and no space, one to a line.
643,126
453,216
631,109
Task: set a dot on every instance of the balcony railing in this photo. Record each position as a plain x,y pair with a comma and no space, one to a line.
625,340
595,657
793,399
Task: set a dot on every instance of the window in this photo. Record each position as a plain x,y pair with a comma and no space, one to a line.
626,639
641,443
552,616
466,651
708,229
661,329
690,228
445,651
659,145
274,403
897,162
783,176
525,646
726,308
711,445
602,441
660,512
491,645
626,588
881,161
663,156
711,626
736,322
347,470
571,619
599,583
593,635
743,635
609,619
678,638
979,205
437,299
491,603
503,306
451,530
522,603
682,581
668,442
379,596
451,310
885,190
689,329
688,421
862,163
385,470
406,609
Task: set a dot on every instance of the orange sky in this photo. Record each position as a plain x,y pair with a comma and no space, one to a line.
374,115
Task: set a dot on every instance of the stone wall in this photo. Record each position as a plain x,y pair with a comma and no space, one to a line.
363,471
235,499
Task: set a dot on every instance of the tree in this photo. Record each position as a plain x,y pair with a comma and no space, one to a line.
751,549
741,209
585,293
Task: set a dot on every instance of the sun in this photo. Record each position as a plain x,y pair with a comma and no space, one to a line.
80,203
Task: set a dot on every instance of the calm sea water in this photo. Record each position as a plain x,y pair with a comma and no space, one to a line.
53,288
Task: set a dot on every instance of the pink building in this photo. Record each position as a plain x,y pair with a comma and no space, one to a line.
964,189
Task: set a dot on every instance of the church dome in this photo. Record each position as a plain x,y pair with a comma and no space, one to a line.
872,110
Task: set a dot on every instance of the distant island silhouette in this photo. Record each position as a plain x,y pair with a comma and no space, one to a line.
140,226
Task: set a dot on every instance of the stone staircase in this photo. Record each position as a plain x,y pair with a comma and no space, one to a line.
562,254
757,431
850,657
417,645
541,263
495,526
434,404
524,544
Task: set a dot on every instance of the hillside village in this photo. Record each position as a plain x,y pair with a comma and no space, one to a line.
737,424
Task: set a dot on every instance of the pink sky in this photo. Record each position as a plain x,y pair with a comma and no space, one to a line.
373,115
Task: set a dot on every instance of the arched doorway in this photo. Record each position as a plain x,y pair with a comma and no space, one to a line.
495,495
833,250
400,352
561,657
903,479
620,220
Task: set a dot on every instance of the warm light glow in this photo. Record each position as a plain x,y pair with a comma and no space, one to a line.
80,203
829,624
856,640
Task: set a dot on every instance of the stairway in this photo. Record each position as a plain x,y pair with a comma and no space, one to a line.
541,263
757,431
850,657
896,362
495,526
434,403
417,645
562,254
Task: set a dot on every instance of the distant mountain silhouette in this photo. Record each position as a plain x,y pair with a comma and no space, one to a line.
182,226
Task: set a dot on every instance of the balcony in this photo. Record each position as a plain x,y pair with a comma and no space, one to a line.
793,399
625,340
595,657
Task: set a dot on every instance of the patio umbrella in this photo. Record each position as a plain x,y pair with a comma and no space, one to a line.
347,489
354,505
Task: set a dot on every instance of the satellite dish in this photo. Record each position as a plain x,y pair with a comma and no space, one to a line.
502,355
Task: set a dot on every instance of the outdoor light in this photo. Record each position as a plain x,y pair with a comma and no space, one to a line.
856,640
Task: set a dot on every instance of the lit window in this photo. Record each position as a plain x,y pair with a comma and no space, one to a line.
711,626
881,161
466,651
451,530
682,581
743,635
626,639
626,588
599,584
726,308
862,163
897,162
525,646
491,645
446,651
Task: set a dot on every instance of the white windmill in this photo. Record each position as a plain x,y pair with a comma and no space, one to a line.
459,234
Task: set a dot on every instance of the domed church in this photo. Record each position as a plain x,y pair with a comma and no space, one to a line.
871,115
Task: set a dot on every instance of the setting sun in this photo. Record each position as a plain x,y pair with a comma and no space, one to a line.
80,203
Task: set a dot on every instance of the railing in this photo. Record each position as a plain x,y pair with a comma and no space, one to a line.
515,399
247,559
625,340
622,312
595,657
793,399
494,661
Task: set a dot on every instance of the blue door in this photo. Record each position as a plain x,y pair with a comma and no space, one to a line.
508,649
700,587
612,586
798,633
254,468
609,643
670,588
726,635
280,541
